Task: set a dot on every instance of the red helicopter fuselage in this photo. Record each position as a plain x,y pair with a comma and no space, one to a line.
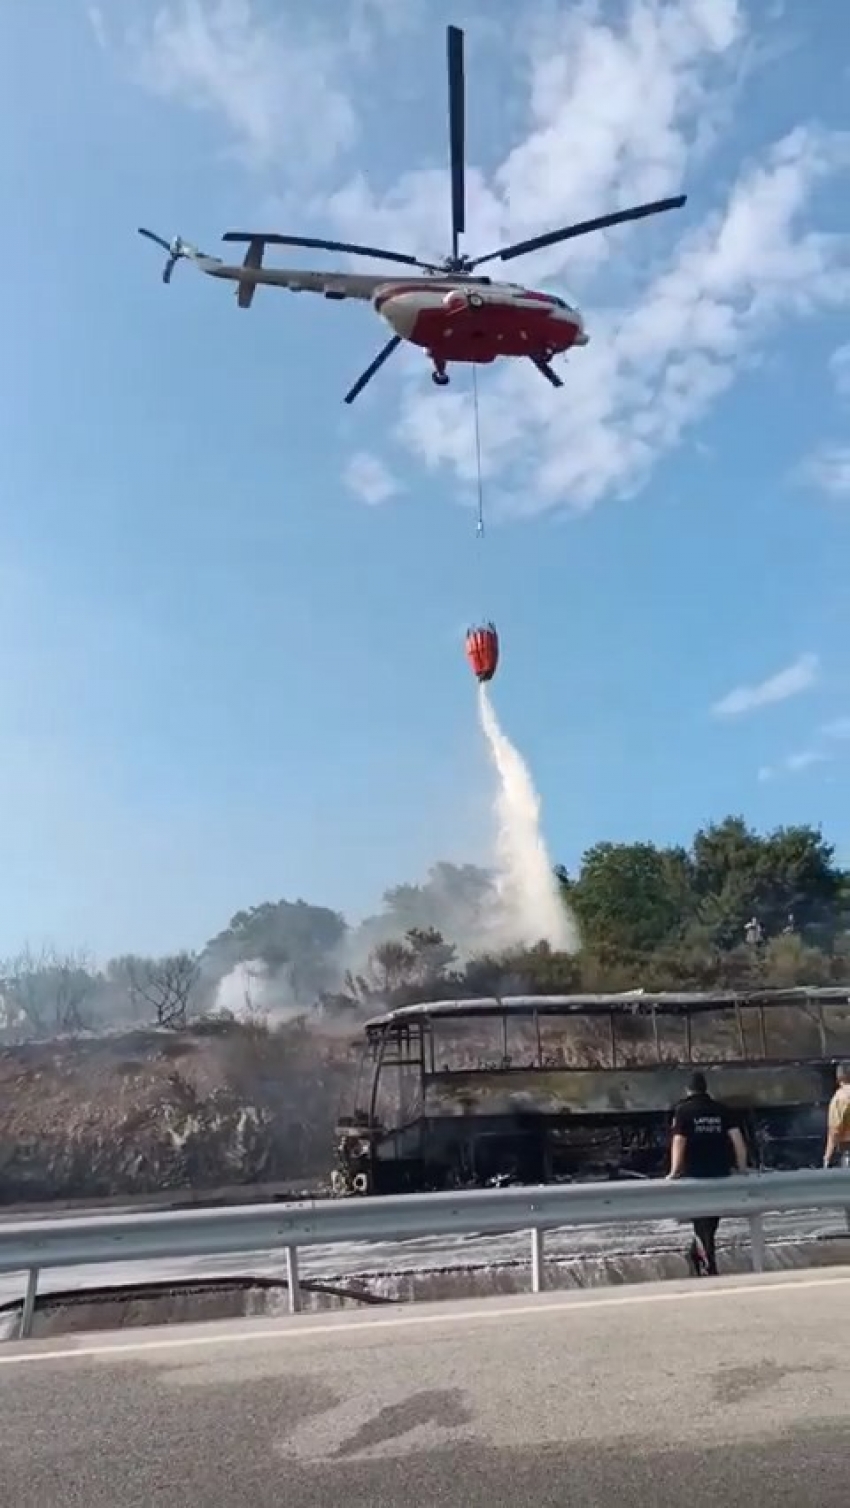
477,321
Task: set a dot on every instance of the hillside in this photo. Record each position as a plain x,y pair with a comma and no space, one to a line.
152,1110
94,1104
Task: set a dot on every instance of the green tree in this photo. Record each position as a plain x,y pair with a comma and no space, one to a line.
632,897
290,937
787,879
455,900
432,958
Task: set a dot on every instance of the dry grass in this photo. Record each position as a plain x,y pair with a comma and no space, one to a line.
150,1110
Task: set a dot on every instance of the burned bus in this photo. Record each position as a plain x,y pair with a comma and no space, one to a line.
542,1089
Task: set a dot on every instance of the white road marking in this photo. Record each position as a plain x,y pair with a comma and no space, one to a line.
302,1329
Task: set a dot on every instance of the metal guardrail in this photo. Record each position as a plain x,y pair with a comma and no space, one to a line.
31,1245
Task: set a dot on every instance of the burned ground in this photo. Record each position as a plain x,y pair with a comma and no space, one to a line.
146,1111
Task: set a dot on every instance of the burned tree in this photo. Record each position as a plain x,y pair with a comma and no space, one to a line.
165,986
398,972
43,993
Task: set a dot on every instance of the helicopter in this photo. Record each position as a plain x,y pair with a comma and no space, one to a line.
447,309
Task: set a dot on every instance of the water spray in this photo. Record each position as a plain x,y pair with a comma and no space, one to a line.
525,880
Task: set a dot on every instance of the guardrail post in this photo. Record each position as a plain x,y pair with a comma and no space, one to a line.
28,1306
538,1281
757,1243
292,1282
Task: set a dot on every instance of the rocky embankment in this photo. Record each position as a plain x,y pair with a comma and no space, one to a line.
155,1111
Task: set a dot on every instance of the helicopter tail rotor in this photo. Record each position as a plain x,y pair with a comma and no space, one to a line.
176,248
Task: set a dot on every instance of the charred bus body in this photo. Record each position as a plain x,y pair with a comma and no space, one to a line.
540,1089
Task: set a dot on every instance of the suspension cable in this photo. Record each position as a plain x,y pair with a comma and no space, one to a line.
480,526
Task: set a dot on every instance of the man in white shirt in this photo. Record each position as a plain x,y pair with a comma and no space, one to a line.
838,1120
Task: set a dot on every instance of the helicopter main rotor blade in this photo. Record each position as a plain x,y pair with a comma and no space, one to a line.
457,134
370,371
157,240
552,237
319,244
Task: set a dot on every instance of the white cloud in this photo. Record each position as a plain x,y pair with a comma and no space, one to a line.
828,466
370,479
655,366
621,103
839,366
795,678
820,751
278,85
646,98
803,759
828,469
640,98
794,764
97,22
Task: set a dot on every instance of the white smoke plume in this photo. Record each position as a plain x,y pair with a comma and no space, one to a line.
251,992
531,908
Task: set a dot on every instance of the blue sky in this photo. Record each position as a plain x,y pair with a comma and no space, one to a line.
230,662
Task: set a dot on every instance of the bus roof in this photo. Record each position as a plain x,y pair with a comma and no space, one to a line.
637,1002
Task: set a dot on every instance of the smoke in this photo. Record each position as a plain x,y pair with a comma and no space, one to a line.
511,904
456,900
530,907
251,991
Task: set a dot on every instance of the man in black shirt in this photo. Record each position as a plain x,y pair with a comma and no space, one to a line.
707,1143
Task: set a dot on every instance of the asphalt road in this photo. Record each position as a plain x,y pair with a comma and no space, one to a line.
728,1392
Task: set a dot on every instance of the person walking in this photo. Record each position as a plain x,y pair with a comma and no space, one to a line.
838,1120
707,1142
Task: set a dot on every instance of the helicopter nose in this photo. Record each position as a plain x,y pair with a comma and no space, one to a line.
399,310
575,319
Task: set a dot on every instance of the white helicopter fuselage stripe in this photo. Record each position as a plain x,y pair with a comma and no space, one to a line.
297,280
